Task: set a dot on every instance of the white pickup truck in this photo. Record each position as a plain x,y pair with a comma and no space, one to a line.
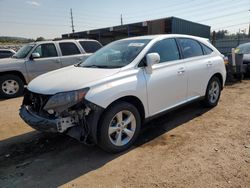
38,58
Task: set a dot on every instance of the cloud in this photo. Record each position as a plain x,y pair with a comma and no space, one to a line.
33,3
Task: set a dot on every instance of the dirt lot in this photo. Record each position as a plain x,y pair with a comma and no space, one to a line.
190,147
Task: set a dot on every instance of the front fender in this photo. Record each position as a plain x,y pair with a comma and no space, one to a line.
131,84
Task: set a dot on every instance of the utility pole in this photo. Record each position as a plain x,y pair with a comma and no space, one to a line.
213,37
249,31
72,21
249,28
121,20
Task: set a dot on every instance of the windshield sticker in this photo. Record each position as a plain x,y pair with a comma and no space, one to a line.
136,44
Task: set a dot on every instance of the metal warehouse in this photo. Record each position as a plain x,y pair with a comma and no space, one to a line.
171,25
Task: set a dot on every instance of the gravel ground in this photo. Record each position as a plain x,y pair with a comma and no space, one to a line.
190,147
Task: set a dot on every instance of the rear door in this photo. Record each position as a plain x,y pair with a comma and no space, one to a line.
199,65
70,53
48,60
167,85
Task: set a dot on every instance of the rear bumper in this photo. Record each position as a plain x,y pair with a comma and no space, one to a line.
37,122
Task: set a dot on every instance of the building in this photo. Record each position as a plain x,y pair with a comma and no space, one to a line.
169,25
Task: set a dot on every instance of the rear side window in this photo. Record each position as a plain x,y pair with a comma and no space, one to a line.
69,48
167,49
190,48
46,50
90,46
206,49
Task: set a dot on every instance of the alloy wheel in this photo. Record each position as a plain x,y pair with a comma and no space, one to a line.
122,128
214,92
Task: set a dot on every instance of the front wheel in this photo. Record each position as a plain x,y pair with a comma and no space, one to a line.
213,92
120,126
11,86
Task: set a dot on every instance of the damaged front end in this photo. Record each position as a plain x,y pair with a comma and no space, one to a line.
67,113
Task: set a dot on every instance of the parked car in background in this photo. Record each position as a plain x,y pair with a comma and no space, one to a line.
106,99
5,53
245,50
38,58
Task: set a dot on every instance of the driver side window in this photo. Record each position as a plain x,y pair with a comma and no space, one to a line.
46,50
167,49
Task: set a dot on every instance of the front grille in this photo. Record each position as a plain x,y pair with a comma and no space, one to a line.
35,101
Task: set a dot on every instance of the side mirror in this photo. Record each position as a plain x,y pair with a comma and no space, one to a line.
151,59
34,56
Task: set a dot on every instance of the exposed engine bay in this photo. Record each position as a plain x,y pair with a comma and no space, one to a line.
76,120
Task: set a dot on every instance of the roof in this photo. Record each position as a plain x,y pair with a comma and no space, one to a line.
163,36
63,40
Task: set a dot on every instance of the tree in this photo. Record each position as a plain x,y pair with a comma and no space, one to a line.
221,34
40,39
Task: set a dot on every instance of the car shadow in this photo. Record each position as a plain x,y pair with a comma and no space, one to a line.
49,160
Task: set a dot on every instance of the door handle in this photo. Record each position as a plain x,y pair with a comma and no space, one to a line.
181,70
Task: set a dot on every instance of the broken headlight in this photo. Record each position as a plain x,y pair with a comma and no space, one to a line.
62,101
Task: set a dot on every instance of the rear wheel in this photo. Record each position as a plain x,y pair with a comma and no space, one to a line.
11,86
213,92
120,126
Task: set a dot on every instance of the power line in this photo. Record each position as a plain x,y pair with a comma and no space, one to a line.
222,16
224,27
194,9
91,23
98,18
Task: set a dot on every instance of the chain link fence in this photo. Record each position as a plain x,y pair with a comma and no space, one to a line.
225,45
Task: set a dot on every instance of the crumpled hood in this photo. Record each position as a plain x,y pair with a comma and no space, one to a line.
68,79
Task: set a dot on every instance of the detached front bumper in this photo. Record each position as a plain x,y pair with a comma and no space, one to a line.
74,127
37,122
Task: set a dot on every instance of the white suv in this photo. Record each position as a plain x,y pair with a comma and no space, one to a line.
106,99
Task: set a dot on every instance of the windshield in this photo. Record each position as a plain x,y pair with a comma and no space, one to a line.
116,55
244,48
24,51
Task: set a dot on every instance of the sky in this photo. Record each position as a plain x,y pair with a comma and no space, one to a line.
51,18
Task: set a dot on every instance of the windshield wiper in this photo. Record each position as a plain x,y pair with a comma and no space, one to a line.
96,66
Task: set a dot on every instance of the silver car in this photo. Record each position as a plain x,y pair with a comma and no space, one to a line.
245,50
38,58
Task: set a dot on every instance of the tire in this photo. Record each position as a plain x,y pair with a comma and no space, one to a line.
14,89
213,92
111,128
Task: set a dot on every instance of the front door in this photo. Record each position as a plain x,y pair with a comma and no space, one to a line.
167,85
48,60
